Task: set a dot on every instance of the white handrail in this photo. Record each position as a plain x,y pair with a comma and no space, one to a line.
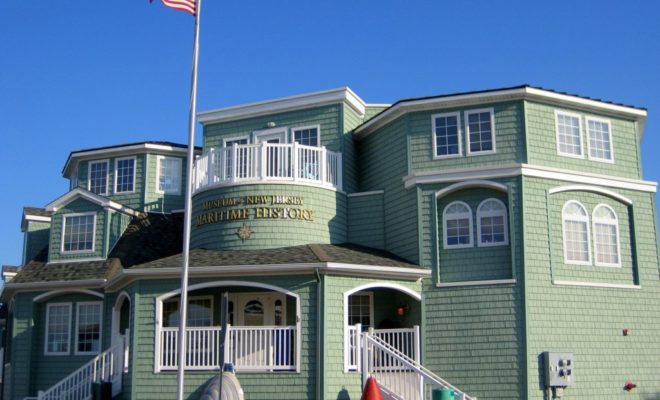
399,373
268,162
107,366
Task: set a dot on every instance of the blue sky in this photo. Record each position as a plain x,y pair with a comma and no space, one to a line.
80,74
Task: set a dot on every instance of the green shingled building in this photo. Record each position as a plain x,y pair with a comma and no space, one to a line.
501,243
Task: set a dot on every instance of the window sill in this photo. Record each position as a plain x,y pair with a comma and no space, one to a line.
476,283
598,285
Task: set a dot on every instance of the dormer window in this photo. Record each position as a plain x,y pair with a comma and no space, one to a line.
169,175
125,175
78,233
98,177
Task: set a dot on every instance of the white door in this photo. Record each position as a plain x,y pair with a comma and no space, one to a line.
276,163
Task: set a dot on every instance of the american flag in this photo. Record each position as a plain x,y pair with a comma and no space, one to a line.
183,5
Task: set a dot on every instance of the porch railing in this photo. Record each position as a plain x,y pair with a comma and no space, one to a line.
107,366
405,340
268,162
249,348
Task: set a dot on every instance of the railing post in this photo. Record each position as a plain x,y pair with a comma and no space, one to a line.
195,173
294,160
264,160
358,348
211,166
40,394
323,166
234,161
365,357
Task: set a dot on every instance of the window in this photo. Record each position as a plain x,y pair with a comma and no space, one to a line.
606,236
98,177
58,324
242,155
575,223
200,312
600,140
446,135
88,328
308,136
169,175
569,138
78,232
359,310
125,175
480,127
457,219
492,223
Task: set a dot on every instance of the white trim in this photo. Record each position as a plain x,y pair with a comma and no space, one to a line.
467,114
470,184
587,224
434,150
535,171
370,193
592,189
115,324
234,139
159,159
54,293
105,161
308,100
319,185
588,133
116,162
462,215
92,197
503,213
36,218
283,130
604,221
302,128
595,285
47,328
75,348
524,93
579,121
64,217
475,283
82,259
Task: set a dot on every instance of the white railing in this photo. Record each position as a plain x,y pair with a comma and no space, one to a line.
405,340
249,348
268,162
107,367
353,348
399,375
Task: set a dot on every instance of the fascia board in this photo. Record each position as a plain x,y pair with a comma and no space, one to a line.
92,197
27,218
284,104
10,288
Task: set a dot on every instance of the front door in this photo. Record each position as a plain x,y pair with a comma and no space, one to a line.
276,164
259,309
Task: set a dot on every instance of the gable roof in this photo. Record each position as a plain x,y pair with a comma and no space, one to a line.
503,94
91,197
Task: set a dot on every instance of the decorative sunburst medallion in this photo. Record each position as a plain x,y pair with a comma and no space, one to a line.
244,232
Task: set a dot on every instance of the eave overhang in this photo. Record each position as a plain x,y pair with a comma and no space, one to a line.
10,289
92,197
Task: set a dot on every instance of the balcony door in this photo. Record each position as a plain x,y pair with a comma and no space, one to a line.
277,157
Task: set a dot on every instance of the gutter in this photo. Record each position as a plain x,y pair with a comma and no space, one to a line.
319,331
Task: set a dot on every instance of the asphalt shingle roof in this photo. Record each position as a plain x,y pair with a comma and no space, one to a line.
36,271
37,211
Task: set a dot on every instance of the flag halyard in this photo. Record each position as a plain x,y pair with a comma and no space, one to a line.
183,5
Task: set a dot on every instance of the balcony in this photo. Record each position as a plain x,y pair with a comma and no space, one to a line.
268,162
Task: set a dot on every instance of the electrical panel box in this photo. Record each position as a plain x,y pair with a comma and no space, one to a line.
559,369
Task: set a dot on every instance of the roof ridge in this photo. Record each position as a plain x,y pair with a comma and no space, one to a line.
319,252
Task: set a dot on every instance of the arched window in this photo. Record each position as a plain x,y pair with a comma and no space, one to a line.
606,236
575,223
492,223
457,219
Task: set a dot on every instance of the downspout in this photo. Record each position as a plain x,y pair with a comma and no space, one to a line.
319,336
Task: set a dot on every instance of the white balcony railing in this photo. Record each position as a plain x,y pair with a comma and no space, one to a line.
268,162
249,348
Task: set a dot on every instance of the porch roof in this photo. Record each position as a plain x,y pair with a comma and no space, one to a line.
345,253
37,271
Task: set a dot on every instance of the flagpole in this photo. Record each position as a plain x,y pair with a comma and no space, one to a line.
183,304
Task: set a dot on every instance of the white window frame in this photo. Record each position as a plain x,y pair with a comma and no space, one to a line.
57,353
579,118
232,139
75,349
502,213
371,307
609,127
302,128
595,220
444,227
456,114
64,217
490,110
256,135
563,232
117,160
178,305
159,160
107,180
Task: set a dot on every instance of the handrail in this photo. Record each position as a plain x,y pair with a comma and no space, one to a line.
107,365
408,362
